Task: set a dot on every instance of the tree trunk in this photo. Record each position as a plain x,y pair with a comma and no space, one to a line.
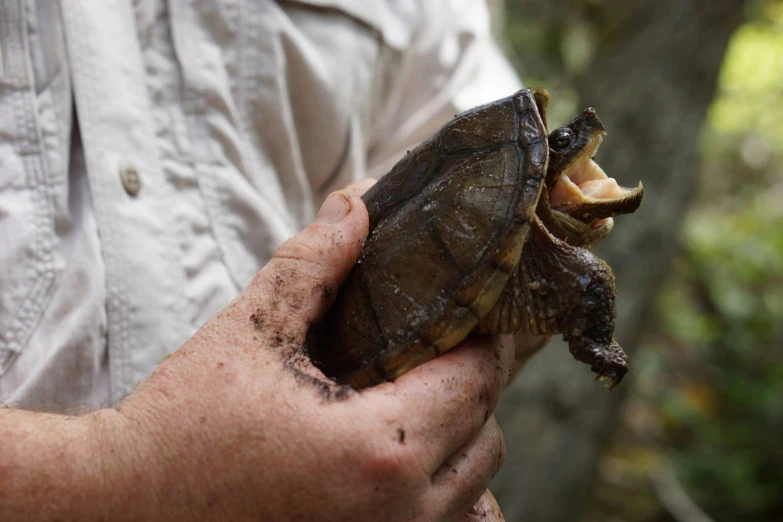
651,79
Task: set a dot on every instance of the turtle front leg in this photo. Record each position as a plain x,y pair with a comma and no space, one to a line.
560,288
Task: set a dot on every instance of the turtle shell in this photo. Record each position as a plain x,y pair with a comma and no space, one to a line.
447,227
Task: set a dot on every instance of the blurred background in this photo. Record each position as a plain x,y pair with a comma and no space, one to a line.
691,93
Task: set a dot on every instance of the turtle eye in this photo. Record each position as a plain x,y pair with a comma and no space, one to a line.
561,139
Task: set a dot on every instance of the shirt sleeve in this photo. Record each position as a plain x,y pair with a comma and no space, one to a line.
452,64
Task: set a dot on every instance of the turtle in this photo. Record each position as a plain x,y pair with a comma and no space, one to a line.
484,228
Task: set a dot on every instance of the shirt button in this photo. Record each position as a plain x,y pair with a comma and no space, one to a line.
130,179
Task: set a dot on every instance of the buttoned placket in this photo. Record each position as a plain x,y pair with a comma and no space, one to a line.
130,194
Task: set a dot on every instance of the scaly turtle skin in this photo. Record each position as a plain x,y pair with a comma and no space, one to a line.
482,228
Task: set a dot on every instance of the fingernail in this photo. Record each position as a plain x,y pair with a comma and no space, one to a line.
334,209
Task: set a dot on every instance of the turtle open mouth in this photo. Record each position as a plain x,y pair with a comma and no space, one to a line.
584,191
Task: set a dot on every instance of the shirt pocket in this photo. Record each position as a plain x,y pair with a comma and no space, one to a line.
27,271
276,96
394,20
332,61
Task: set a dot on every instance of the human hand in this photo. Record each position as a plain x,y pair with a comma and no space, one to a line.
239,424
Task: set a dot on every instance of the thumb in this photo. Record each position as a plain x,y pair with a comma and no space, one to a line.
300,281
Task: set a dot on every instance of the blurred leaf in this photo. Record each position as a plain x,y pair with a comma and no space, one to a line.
712,377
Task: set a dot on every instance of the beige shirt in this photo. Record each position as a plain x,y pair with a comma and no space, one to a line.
208,132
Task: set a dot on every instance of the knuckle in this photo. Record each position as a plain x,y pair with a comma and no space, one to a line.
495,446
392,463
480,393
487,371
471,386
489,388
302,253
320,252
501,450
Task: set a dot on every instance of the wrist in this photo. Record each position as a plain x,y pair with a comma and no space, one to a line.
123,473
59,467
157,457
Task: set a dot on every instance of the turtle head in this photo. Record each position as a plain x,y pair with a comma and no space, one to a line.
580,198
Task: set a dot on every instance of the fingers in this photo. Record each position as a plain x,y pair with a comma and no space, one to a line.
301,280
485,510
447,400
358,188
463,478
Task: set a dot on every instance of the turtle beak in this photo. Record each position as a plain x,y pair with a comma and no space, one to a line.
584,191
589,121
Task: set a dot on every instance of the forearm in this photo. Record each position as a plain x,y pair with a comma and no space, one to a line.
57,467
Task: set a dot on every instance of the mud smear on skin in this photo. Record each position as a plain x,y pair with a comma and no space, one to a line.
294,354
328,390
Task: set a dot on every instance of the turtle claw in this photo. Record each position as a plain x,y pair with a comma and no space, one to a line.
611,376
609,363
610,383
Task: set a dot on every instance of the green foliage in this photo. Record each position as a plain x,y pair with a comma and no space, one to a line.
752,72
548,44
712,372
708,400
717,383
719,379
